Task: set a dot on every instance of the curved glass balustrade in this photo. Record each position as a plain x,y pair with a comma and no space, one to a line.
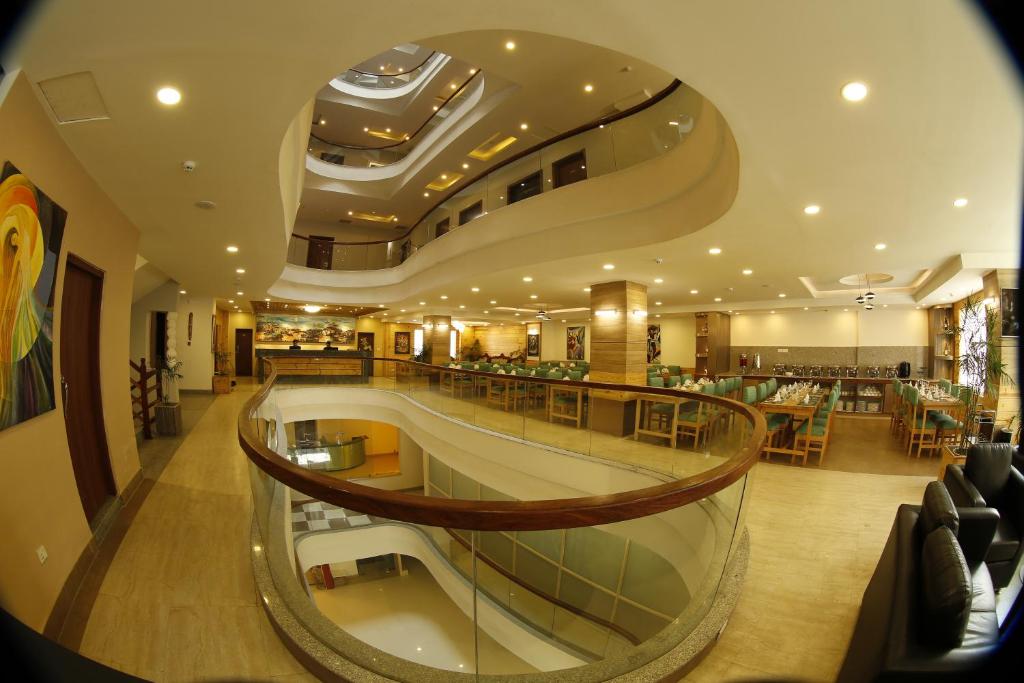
393,151
605,146
389,80
608,577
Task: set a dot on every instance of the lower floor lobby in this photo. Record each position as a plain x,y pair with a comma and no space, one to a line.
176,600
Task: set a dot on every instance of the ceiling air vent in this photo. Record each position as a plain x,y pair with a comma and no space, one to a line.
74,98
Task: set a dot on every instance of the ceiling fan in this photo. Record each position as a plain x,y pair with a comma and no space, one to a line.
541,314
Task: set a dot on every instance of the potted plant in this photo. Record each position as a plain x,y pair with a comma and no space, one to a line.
980,362
170,372
472,352
221,372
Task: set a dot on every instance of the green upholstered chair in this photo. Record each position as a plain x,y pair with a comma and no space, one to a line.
750,395
674,380
655,381
687,377
773,386
762,391
674,370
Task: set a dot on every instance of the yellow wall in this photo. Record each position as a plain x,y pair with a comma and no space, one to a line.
835,327
40,503
383,437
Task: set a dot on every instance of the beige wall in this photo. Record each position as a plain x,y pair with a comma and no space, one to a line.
880,327
197,357
899,327
552,340
163,298
241,320
40,503
678,340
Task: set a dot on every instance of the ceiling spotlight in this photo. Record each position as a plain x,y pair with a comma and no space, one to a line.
658,280
366,129
267,300
474,289
609,266
855,91
523,126
812,209
782,296
586,289
718,298
748,271
423,303
349,213
444,297
657,303
240,271
493,301
588,88
426,194
461,306
231,301
880,246
465,165
693,291
772,312
182,291
960,202
168,95
806,309
232,249
714,251
323,122
510,45
239,293
533,296
527,278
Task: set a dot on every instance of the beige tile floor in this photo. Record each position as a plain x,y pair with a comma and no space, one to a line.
178,602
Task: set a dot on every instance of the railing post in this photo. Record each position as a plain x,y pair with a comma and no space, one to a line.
147,430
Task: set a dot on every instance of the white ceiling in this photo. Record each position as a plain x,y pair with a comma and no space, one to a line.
943,119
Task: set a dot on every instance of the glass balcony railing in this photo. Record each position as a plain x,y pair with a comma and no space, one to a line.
607,145
393,151
604,584
389,80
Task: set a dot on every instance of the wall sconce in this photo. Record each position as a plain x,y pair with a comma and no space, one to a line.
428,326
533,333
606,313
637,313
442,326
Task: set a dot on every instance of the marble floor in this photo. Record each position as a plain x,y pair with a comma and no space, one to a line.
177,600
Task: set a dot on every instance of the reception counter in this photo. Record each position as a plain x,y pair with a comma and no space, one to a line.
316,366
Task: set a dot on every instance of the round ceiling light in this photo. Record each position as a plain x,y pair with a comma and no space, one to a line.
812,209
714,251
510,45
854,91
960,202
168,95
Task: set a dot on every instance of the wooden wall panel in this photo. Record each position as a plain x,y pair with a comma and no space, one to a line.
618,347
502,339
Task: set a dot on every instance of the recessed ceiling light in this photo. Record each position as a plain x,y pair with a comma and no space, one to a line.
444,296
693,291
493,301
588,88
387,130
516,314
523,126
772,312
885,305
960,202
748,271
609,266
240,271
846,310
488,312
465,165
426,194
182,291
656,316
231,301
236,308
563,320
782,296
168,95
510,45
533,296
805,308
453,86
239,293
436,107
380,305
401,310
323,121
718,298
657,303
715,251
474,289
232,249
812,209
472,71
423,303
658,280
349,213
527,278
673,123
855,91
267,300
461,306
366,129
880,246
586,289
311,308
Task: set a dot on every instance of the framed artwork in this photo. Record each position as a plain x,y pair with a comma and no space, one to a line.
403,342
1009,312
654,343
364,341
533,345
575,342
273,328
33,230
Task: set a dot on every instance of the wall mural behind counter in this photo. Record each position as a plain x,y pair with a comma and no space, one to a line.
310,329
31,232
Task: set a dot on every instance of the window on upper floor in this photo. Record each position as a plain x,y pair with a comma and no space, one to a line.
570,169
470,212
525,187
441,227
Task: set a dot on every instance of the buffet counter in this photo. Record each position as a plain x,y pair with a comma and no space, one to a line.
859,395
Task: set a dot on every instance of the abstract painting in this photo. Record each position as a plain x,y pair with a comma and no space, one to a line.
654,343
32,229
575,342
402,343
274,328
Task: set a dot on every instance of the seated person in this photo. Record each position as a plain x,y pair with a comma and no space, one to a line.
295,345
328,346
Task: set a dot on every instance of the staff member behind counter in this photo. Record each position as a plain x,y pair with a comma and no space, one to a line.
295,345
328,347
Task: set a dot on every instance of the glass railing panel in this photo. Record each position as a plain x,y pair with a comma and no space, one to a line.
586,155
514,182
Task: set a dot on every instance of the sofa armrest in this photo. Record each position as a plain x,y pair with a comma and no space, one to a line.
1012,499
977,528
961,490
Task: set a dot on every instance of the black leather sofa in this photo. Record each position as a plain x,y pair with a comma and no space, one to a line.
928,613
988,479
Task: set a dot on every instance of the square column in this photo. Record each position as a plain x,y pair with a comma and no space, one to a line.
618,332
437,338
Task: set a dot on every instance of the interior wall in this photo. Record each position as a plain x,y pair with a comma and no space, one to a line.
496,340
197,356
552,340
241,320
678,340
41,505
163,298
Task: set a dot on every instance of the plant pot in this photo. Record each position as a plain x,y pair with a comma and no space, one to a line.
222,384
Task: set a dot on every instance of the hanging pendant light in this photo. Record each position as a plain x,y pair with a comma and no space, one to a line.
869,307
860,299
869,296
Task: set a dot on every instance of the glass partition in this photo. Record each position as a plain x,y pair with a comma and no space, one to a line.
514,567
386,81
649,131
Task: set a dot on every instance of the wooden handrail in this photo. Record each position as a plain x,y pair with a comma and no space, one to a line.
144,388
459,187
400,73
530,515
409,137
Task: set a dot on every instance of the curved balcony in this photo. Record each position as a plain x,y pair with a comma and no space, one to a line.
562,546
386,80
649,130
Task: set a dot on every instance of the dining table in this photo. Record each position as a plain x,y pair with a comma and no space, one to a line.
801,406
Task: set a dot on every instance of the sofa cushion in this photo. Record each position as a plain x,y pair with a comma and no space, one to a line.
1004,543
946,589
937,509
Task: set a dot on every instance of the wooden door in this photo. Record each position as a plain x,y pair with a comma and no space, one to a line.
80,384
320,253
243,353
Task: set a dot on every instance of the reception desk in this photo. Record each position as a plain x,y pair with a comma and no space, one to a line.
316,366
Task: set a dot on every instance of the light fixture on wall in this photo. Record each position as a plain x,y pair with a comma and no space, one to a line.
311,308
606,313
638,313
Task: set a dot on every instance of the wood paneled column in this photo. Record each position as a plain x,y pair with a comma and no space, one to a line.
437,337
1005,400
618,352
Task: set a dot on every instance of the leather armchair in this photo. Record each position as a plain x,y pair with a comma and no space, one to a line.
988,479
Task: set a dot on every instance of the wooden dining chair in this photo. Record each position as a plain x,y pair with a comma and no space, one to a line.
920,427
813,435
